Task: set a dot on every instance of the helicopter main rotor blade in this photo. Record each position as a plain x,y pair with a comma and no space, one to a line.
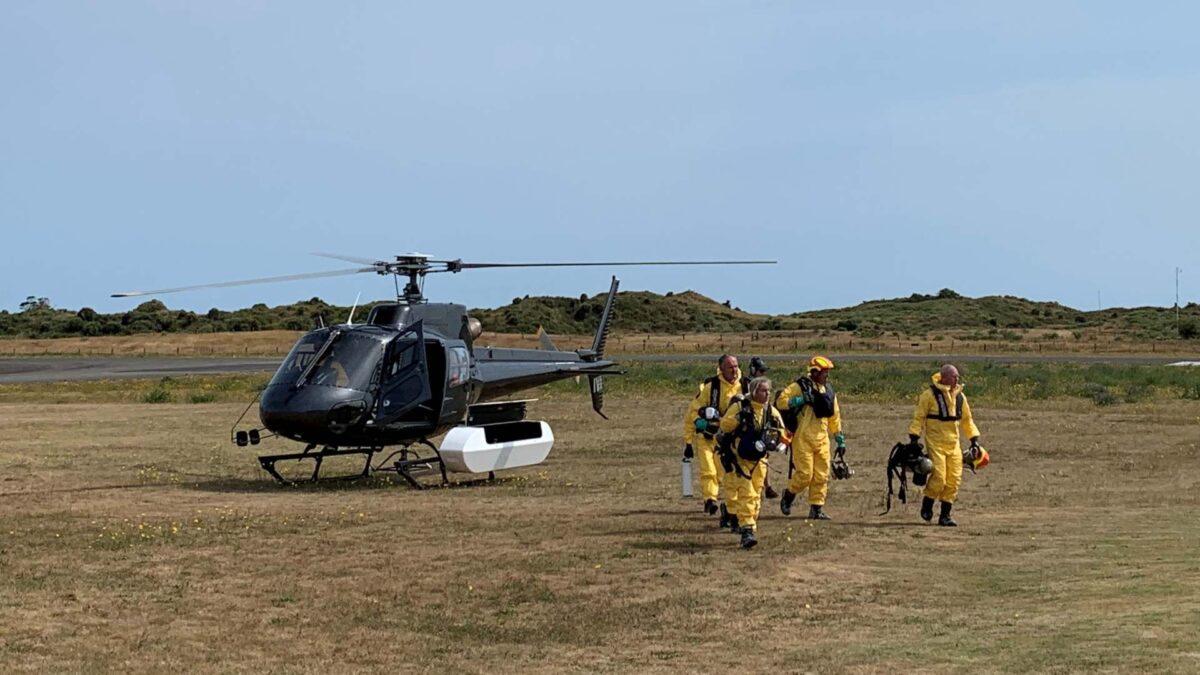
456,265
348,258
245,282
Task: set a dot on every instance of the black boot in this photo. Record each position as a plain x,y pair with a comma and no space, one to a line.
770,493
815,513
945,520
748,540
734,527
724,522
927,509
785,502
710,507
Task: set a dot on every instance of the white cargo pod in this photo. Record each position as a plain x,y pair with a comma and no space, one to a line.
492,447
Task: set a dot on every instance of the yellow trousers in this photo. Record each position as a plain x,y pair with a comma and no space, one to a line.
711,471
947,473
746,495
810,470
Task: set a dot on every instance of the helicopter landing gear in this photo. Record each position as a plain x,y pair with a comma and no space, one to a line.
268,461
411,460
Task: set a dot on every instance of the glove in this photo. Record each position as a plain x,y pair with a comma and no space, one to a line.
688,453
796,401
840,439
913,438
975,443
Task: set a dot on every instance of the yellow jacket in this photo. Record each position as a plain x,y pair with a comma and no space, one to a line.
728,391
812,430
942,435
730,421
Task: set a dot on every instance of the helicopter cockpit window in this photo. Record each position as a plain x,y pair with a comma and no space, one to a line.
350,362
458,366
403,355
299,358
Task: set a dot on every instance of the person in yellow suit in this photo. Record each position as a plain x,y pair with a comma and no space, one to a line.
814,404
700,425
750,431
758,368
942,413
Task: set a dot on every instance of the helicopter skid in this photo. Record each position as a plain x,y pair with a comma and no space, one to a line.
268,461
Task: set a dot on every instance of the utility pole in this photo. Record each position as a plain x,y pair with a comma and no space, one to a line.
1177,271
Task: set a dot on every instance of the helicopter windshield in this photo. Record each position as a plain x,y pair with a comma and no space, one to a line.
300,357
349,361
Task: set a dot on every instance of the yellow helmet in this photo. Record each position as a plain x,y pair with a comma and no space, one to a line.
820,363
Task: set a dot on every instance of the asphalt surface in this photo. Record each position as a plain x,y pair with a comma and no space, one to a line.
73,369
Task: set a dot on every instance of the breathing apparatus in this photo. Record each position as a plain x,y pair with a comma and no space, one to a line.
841,470
904,458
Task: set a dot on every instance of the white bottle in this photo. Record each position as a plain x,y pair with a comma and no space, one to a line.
687,476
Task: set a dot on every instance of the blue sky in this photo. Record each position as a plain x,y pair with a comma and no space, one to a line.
1046,150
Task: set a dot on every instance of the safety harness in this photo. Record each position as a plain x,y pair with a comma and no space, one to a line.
820,402
943,413
747,440
714,396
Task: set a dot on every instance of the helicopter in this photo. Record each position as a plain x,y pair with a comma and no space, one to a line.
412,372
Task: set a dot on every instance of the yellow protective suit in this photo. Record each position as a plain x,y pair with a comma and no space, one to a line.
941,438
743,496
810,446
704,448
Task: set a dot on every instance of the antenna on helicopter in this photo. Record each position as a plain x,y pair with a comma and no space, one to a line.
416,265
350,321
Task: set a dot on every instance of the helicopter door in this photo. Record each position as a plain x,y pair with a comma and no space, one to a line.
404,383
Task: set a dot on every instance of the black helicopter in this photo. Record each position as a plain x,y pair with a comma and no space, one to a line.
412,372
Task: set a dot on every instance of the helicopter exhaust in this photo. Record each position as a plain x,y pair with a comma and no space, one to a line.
474,327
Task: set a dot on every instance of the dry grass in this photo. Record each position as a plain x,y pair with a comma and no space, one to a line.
278,342
134,538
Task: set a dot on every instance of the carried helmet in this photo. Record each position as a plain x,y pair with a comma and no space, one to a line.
819,363
975,457
757,365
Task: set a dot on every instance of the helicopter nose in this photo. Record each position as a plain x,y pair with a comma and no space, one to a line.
312,414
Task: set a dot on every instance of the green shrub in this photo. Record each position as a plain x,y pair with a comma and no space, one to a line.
157,395
1137,392
202,397
1189,329
1099,394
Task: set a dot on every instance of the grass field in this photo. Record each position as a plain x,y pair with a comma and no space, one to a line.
135,538
278,342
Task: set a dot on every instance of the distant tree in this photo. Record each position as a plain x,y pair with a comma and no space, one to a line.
947,293
33,303
86,314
